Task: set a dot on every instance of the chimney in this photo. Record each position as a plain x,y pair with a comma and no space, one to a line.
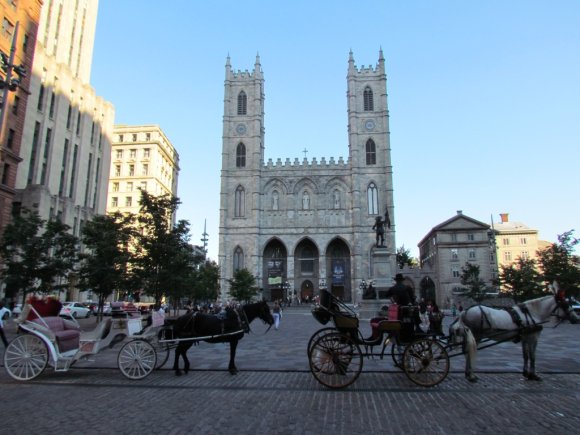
459,211
504,217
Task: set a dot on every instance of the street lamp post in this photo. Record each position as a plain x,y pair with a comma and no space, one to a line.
286,287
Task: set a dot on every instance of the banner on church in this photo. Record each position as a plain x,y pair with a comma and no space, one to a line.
275,269
338,272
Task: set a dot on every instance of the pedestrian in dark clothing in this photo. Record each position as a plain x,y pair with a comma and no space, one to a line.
403,295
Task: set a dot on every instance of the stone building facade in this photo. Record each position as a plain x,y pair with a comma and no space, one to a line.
66,145
303,225
142,157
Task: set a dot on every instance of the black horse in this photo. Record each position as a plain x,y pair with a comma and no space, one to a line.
228,327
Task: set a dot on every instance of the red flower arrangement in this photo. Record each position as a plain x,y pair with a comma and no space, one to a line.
45,307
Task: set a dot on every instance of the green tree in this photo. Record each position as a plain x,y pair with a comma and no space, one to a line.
475,286
521,280
243,285
38,255
558,263
404,258
161,260
206,284
105,267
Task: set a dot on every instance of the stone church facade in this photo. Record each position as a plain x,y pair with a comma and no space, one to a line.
300,226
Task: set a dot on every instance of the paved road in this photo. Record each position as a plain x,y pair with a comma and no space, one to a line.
275,392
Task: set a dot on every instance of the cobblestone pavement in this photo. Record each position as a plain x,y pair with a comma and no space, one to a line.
275,392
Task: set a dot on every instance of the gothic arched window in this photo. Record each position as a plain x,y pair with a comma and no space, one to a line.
371,150
373,198
368,100
238,259
240,202
242,103
241,156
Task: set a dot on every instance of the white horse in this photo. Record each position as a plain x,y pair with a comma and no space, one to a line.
521,322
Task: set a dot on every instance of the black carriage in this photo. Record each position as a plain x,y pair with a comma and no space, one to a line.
336,353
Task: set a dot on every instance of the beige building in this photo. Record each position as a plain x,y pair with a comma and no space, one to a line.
515,240
66,144
142,158
446,249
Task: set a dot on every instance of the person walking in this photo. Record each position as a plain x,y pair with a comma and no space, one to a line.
3,312
277,314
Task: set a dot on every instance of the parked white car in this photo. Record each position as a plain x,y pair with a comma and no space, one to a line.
75,309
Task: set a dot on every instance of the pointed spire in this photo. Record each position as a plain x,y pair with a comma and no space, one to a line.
381,57
257,59
228,66
350,61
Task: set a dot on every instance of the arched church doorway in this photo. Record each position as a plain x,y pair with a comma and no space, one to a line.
306,268
338,269
275,270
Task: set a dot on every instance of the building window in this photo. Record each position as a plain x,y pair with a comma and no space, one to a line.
525,255
371,151
129,186
307,262
146,152
119,154
241,156
117,170
454,237
131,170
239,203
242,103
506,241
144,185
115,187
470,237
145,169
15,105
7,29
238,259
455,272
373,199
10,138
368,100
147,137
134,137
114,201
6,174
454,255
40,103
472,254
69,117
524,241
128,201
132,153
507,256
78,123
121,137
52,104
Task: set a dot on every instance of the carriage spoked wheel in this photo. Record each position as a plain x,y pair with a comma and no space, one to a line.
426,362
137,359
316,336
162,350
25,357
335,360
397,351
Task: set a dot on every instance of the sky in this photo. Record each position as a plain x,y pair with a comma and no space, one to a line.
484,97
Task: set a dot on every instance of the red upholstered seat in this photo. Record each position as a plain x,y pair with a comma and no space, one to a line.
66,332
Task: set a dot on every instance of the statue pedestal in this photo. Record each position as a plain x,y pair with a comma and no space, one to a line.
383,267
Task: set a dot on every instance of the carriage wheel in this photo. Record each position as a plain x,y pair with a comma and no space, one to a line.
426,362
335,360
397,351
137,359
316,336
25,357
162,350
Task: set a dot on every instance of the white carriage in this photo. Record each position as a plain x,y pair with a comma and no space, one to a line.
49,339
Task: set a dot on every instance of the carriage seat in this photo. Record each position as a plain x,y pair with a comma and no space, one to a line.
65,332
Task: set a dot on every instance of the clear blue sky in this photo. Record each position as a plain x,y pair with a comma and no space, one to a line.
484,96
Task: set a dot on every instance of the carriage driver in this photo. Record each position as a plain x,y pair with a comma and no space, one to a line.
403,295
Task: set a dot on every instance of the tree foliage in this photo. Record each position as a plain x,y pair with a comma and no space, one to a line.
404,258
105,266
521,280
206,286
38,255
243,285
474,285
163,256
558,263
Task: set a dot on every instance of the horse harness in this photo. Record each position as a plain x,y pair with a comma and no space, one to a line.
527,325
242,320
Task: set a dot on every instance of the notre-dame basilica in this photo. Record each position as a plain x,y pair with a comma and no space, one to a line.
300,226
